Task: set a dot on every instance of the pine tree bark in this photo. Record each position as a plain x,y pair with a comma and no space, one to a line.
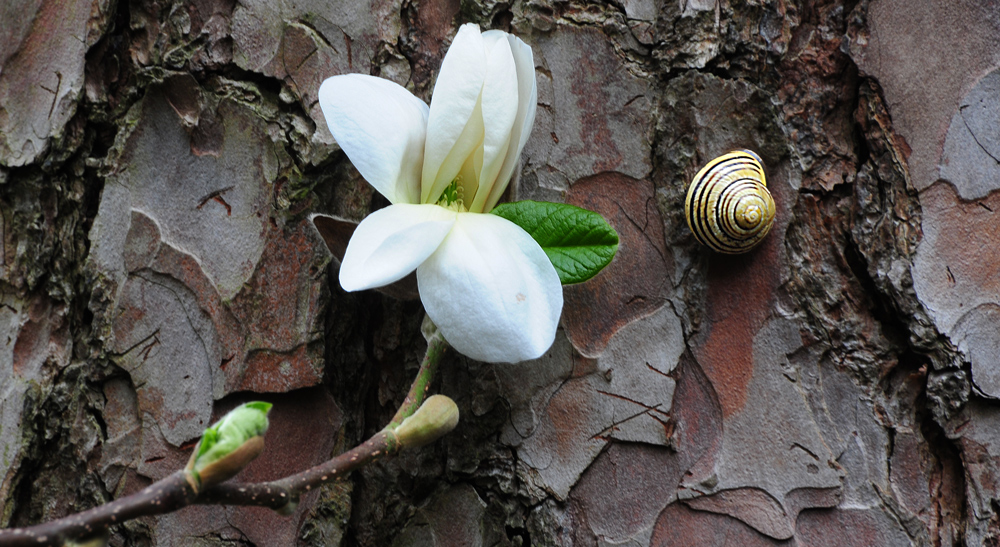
159,161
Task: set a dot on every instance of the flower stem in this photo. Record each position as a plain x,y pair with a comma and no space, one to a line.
436,348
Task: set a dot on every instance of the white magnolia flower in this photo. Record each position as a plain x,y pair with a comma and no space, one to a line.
483,280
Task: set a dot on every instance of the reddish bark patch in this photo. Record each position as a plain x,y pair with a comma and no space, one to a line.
982,465
848,528
435,23
152,399
270,372
741,290
297,46
634,285
679,526
590,87
277,303
568,411
698,418
752,506
303,427
435,18
971,266
625,488
43,336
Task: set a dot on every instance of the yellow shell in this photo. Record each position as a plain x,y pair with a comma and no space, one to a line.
728,206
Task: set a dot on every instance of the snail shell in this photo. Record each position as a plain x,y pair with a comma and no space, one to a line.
728,207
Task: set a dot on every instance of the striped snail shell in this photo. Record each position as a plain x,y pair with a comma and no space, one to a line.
728,207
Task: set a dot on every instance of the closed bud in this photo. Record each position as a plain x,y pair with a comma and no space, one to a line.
436,417
229,444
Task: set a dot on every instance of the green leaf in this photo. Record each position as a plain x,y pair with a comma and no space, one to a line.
579,242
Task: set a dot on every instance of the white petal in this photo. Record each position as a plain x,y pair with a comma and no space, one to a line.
390,243
527,93
492,37
499,107
381,127
454,129
491,290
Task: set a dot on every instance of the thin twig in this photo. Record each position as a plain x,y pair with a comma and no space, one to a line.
175,491
163,496
277,494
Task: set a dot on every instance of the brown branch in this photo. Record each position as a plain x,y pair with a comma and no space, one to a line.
164,496
278,494
177,491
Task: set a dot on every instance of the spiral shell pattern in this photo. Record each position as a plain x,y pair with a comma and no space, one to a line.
728,207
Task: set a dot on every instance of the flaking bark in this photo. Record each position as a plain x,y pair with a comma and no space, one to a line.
836,386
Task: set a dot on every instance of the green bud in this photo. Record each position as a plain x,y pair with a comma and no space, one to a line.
229,444
435,418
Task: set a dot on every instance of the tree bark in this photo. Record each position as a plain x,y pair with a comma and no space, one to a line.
837,385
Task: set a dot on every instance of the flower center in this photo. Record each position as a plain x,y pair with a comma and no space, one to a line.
453,196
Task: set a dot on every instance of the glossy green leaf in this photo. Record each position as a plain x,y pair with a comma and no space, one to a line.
579,242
